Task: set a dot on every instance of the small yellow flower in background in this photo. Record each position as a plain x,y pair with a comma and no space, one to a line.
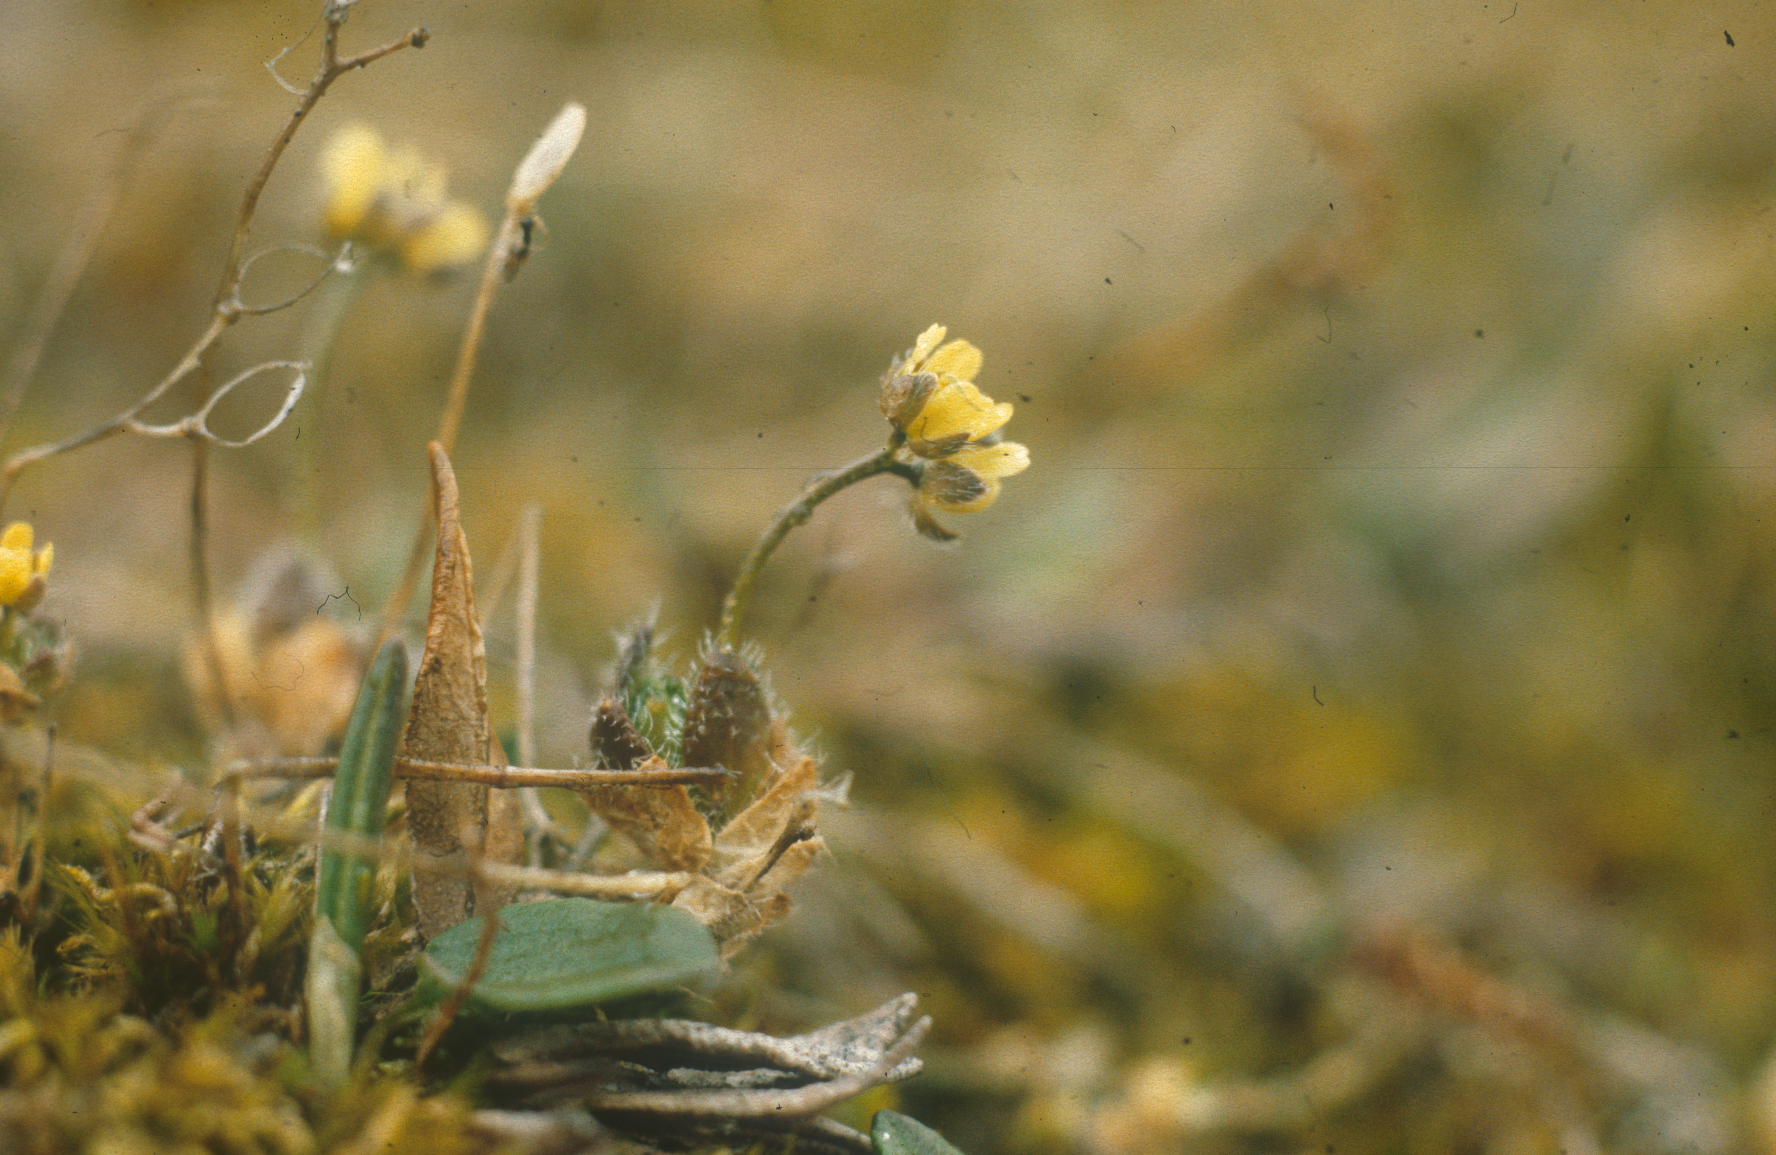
24,573
951,429
394,202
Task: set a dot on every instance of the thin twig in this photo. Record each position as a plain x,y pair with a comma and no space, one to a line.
330,68
226,306
487,774
536,818
528,563
539,169
334,261
200,578
450,422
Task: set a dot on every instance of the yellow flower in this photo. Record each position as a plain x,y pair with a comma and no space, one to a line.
968,480
24,573
929,396
395,202
952,430
964,482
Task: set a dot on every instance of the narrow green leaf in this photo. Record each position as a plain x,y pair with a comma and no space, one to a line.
892,1133
565,954
360,793
330,989
359,804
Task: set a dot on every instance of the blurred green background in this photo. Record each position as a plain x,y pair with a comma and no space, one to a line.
1382,634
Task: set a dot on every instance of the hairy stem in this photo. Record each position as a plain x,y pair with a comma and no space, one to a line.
727,634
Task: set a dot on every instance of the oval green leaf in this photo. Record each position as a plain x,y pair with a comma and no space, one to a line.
565,954
892,1133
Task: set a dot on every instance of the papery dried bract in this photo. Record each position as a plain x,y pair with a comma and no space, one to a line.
766,847
661,820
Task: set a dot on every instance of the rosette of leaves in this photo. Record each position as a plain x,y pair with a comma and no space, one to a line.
747,838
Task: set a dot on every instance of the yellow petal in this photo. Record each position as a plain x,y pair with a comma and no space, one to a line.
352,166
928,340
994,461
15,574
958,359
958,408
17,536
44,559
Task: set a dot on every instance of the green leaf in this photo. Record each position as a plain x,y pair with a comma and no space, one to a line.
359,804
892,1133
359,807
562,954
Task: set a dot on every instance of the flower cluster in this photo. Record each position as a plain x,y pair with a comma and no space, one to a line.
951,429
33,660
24,572
395,202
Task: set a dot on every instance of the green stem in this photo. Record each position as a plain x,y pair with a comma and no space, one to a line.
727,635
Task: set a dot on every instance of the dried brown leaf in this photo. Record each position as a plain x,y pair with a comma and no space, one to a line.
731,916
770,845
449,821
661,820
745,847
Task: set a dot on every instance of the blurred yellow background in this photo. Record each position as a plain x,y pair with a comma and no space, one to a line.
1398,384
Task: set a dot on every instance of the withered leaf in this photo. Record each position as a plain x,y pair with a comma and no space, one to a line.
768,846
449,822
661,820
747,846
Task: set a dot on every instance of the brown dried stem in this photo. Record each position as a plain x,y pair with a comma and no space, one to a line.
536,172
486,774
450,422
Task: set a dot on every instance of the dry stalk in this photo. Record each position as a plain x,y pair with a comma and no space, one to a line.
533,177
487,774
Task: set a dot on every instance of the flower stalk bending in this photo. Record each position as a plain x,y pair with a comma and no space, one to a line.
946,443
727,634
